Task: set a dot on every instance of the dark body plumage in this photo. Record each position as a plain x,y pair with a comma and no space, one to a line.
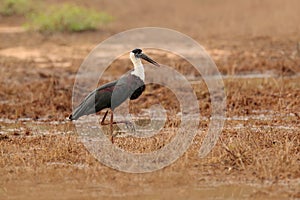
110,95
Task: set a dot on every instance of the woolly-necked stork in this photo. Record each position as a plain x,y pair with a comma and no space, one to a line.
111,95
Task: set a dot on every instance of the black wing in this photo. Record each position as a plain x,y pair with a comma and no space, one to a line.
110,95
138,92
97,100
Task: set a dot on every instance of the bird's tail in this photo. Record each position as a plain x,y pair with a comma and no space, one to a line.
78,112
86,107
73,116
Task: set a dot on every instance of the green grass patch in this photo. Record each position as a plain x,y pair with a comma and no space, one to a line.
66,17
15,7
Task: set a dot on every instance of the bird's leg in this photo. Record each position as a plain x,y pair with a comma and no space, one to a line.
103,119
111,126
128,124
110,123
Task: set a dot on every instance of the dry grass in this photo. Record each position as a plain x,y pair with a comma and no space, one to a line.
263,122
244,155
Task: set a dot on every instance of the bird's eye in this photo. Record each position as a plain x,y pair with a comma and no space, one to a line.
138,55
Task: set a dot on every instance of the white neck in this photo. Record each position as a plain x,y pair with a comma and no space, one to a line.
138,67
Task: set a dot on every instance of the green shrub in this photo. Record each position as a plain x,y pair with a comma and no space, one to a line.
66,17
15,7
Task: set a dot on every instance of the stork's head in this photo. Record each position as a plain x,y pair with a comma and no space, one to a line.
137,54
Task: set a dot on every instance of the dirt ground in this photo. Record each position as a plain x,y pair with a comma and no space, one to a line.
256,46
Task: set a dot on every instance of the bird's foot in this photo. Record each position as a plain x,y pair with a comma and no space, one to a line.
130,126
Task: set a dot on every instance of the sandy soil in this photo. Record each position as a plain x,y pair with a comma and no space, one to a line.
255,45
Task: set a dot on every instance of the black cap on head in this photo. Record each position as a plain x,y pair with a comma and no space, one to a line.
137,51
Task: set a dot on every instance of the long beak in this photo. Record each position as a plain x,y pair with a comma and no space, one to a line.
145,57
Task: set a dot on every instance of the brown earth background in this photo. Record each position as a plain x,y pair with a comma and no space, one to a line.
255,45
